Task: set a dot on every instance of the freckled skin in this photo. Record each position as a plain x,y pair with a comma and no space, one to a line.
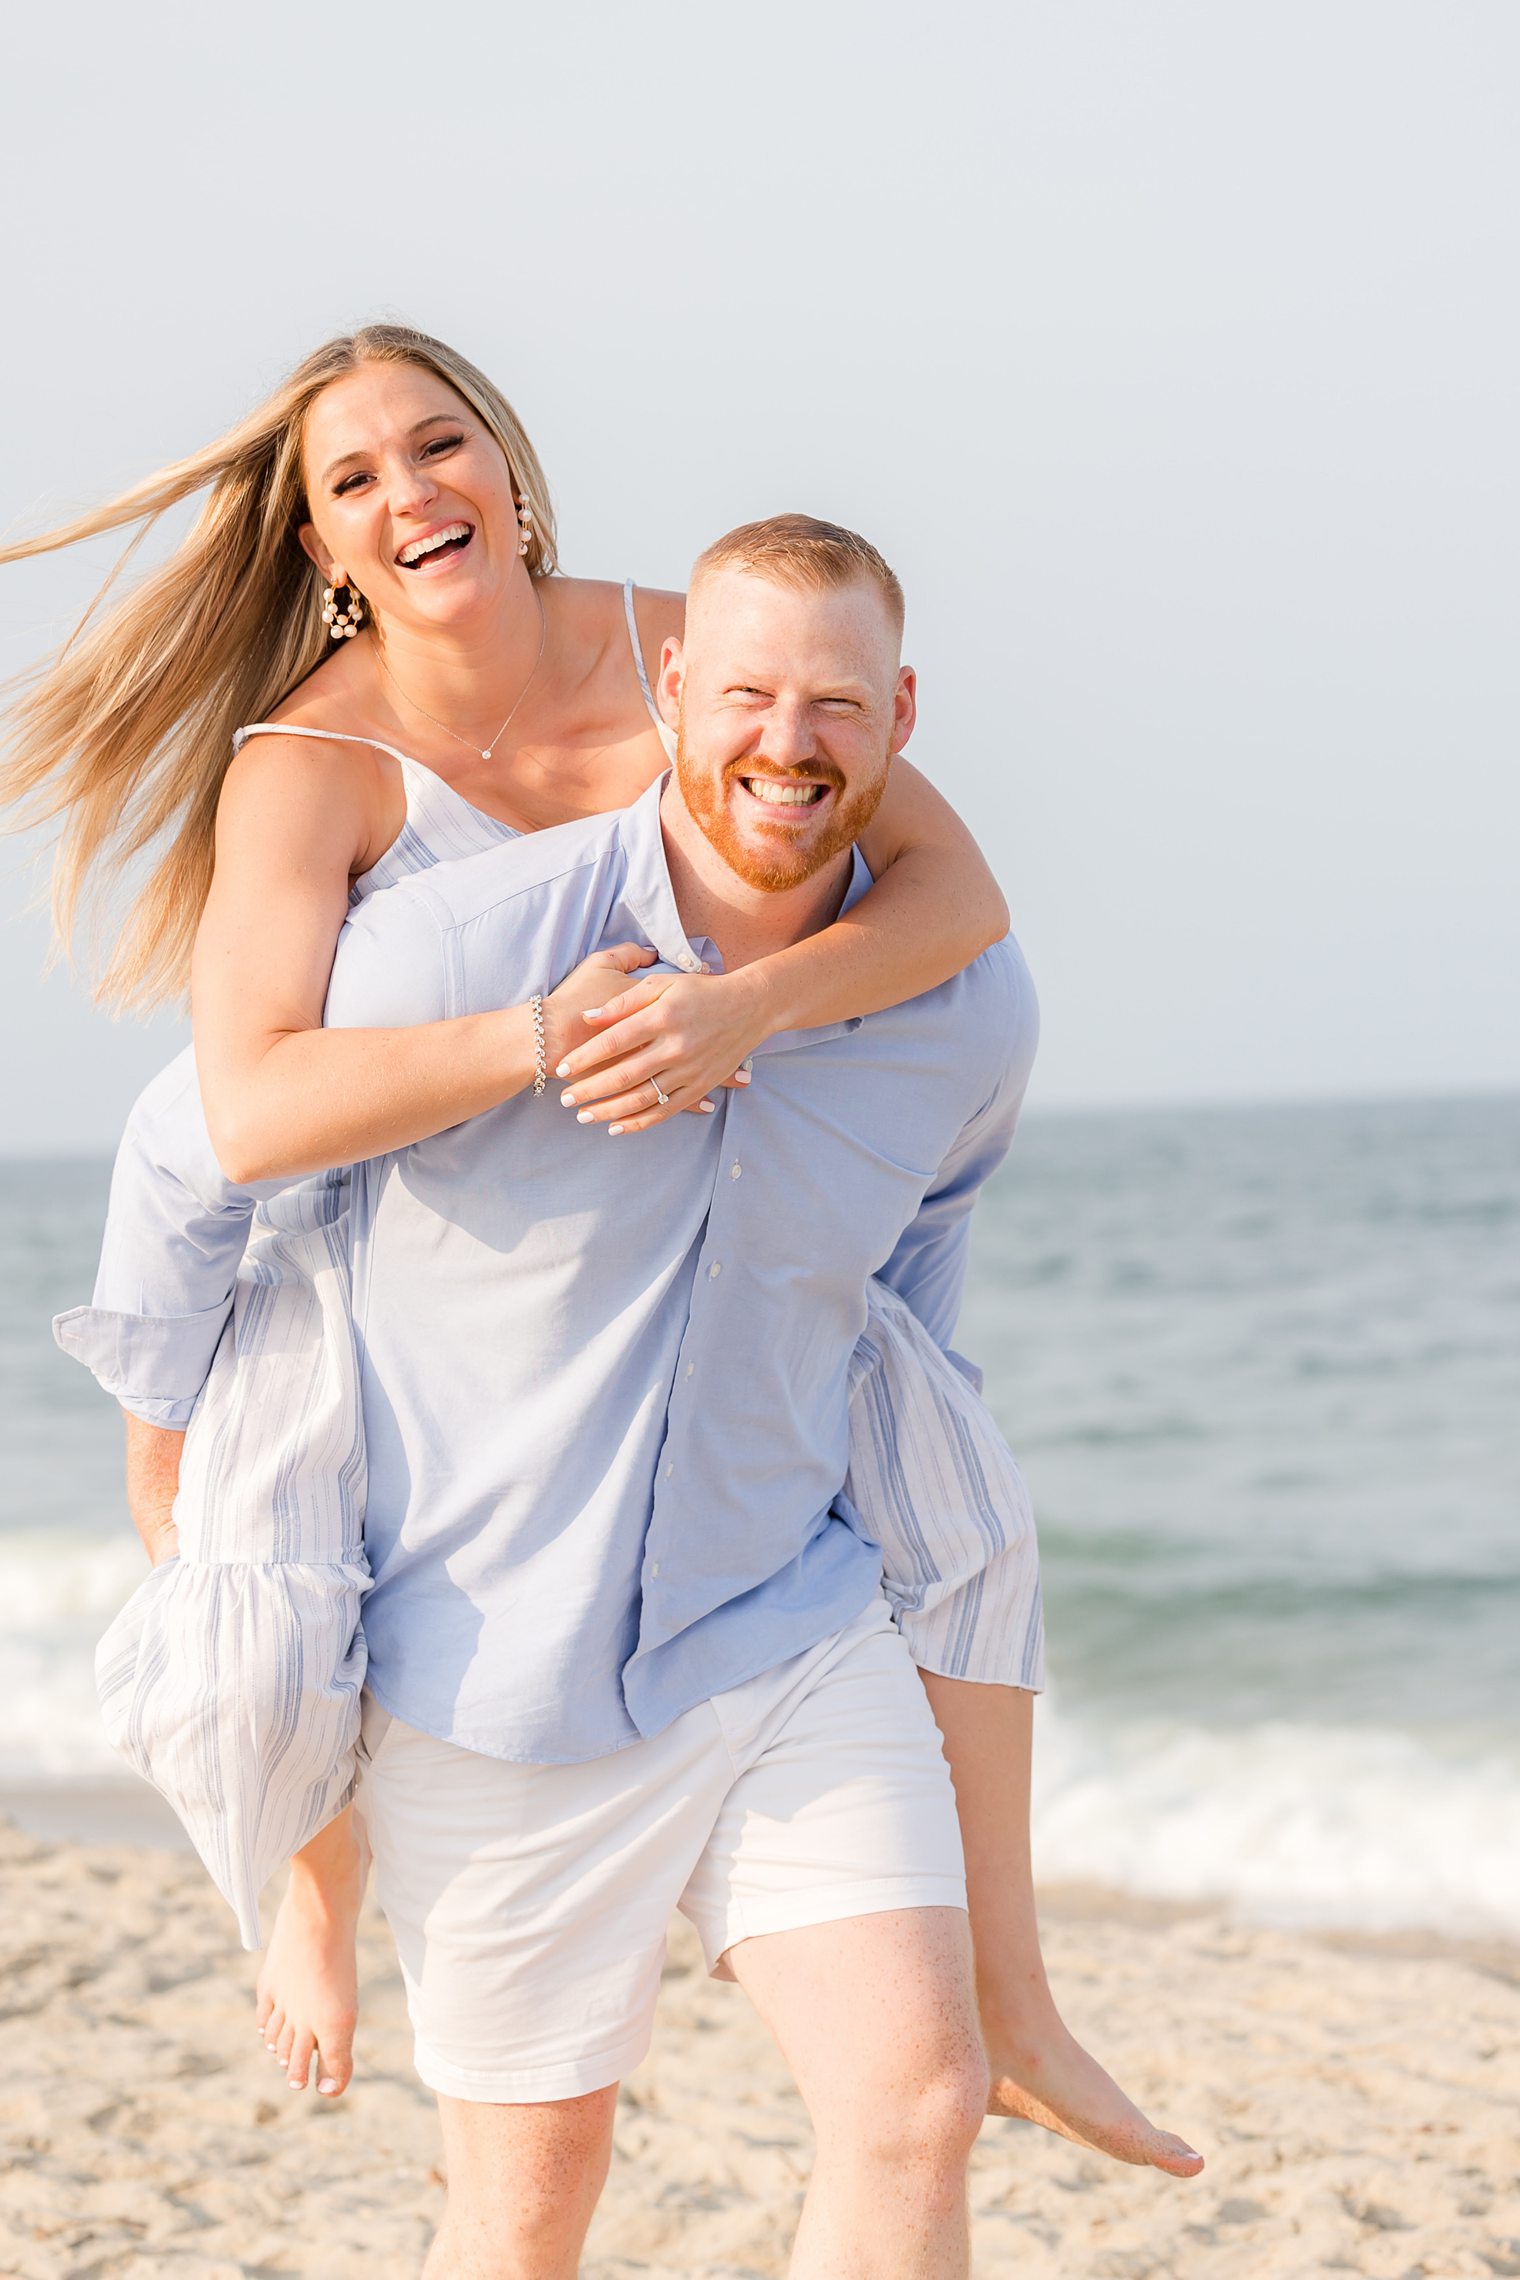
523,2183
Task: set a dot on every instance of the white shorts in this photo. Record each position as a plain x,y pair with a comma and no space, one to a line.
529,1902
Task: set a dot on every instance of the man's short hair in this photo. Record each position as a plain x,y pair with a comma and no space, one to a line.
800,551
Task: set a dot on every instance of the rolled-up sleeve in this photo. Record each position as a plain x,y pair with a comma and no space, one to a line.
176,1229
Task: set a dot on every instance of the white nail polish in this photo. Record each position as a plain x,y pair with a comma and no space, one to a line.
707,1106
613,1130
585,1117
326,2086
563,1070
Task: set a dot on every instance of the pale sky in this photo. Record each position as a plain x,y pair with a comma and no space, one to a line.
1170,352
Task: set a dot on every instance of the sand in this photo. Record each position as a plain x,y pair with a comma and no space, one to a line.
1360,2107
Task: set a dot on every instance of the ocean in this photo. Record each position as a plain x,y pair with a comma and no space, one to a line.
1262,1370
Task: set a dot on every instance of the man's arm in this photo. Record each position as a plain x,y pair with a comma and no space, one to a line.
153,1454
928,1267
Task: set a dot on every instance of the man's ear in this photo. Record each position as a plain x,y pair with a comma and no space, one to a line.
669,681
904,709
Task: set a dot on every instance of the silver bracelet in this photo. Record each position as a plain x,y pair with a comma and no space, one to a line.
540,1049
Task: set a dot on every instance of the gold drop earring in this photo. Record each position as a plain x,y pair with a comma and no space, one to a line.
342,608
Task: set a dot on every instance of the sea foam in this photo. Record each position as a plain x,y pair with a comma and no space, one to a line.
1349,1826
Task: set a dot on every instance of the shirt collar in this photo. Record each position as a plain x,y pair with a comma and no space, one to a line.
647,889
651,899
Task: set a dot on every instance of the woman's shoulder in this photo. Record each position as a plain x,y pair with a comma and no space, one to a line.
658,610
325,705
306,760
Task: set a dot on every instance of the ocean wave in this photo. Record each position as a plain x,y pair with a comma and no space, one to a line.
1356,1826
57,1594
1285,1823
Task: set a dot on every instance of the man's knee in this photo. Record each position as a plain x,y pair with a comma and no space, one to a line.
928,2121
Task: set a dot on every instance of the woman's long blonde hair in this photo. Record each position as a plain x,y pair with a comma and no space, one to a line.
127,733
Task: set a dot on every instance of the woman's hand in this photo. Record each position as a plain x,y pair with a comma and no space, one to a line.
583,990
691,1032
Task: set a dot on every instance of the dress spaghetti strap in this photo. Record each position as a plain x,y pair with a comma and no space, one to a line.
637,647
325,735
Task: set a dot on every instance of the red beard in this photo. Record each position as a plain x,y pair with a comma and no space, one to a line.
780,861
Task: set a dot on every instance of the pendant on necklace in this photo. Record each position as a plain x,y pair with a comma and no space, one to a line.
487,753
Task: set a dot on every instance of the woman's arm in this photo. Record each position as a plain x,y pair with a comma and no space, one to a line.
282,1095
934,908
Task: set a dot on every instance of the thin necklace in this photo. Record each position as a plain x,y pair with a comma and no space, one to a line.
485,750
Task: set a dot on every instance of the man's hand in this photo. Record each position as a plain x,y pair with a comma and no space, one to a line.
153,1454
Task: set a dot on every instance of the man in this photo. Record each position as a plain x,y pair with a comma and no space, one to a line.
625,1651
627,1647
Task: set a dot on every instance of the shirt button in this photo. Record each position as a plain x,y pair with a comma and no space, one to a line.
714,1271
735,1171
691,964
654,1571
669,1469
691,1369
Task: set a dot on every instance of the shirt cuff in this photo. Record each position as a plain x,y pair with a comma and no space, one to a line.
154,1365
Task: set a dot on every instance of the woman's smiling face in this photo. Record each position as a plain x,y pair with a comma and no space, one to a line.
408,493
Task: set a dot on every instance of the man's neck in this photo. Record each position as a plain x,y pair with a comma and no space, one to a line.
744,922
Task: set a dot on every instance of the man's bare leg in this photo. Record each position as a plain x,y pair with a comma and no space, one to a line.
523,2184
1040,2072
877,2019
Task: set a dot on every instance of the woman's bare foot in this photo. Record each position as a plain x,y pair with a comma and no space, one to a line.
1042,2074
308,1993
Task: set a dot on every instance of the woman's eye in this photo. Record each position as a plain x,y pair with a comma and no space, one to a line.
442,443
348,483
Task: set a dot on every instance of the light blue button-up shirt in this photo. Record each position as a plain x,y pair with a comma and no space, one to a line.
605,1385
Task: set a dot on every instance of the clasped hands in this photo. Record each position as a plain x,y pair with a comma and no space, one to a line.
688,1034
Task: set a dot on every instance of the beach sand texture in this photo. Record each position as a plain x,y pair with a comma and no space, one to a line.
1360,2109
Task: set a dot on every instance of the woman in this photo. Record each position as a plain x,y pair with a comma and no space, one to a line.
386,501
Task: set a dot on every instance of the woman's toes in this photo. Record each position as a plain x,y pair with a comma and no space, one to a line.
274,2027
335,2060
299,2062
1175,2156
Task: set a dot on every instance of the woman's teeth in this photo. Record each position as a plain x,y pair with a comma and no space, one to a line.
782,795
420,548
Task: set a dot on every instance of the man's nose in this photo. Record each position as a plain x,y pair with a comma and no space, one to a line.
787,740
